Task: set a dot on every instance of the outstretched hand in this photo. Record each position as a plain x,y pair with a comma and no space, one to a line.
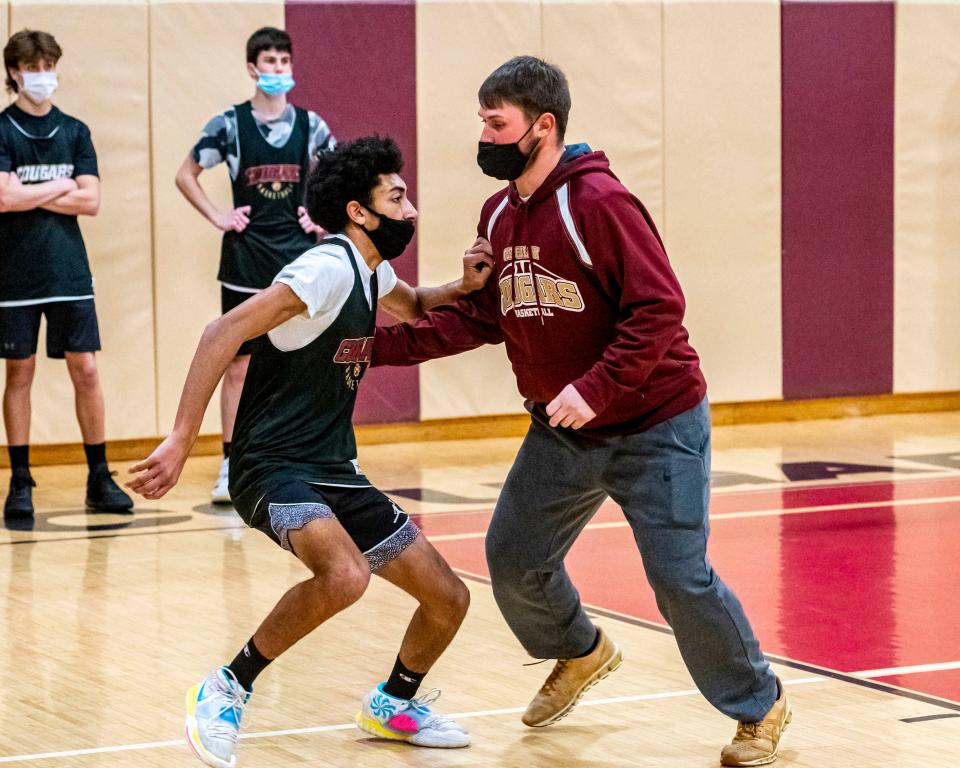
159,472
477,265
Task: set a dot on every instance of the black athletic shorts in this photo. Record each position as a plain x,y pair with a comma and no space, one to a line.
229,299
71,327
380,529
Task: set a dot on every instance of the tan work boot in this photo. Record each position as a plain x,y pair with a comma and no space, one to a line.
570,679
758,743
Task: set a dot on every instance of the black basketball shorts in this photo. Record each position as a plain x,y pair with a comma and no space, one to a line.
229,299
71,327
380,529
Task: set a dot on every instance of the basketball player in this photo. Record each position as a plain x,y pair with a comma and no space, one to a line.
294,473
48,177
268,145
592,317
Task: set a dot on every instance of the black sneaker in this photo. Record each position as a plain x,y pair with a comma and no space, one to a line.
19,503
104,495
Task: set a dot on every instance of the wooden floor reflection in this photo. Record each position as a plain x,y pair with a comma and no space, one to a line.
106,620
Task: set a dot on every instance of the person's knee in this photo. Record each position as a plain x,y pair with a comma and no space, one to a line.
444,596
673,581
501,567
237,370
20,373
508,560
502,545
83,372
345,583
455,599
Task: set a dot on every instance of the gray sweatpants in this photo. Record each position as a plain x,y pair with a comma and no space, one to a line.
661,479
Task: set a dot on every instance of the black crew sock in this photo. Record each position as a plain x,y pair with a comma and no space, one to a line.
19,460
226,449
592,648
248,664
96,458
403,684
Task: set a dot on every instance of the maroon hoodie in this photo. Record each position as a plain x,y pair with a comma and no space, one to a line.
582,292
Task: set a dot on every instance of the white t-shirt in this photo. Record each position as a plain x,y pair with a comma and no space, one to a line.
322,278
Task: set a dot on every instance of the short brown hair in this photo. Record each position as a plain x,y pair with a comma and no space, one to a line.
531,84
26,46
266,38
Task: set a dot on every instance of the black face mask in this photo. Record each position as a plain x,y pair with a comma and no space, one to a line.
504,161
392,237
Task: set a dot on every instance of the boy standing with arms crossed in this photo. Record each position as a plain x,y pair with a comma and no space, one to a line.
48,177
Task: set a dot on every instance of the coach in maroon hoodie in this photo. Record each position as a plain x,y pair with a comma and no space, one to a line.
591,315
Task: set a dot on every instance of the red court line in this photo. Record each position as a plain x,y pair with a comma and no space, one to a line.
843,493
452,523
456,521
843,589
945,684
472,521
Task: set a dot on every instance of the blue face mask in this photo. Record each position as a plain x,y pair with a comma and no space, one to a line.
273,84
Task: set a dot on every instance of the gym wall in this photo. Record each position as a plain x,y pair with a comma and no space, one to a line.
197,69
802,161
106,85
4,22
383,100
926,332
838,106
458,44
722,182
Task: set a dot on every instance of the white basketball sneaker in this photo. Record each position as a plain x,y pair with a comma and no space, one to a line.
221,493
409,720
214,714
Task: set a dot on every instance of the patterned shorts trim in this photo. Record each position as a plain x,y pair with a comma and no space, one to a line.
391,547
292,517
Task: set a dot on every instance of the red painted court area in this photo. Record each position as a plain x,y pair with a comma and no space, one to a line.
858,578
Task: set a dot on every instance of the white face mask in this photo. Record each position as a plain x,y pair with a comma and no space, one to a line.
39,86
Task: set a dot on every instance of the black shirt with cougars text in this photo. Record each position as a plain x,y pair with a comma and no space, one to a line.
42,256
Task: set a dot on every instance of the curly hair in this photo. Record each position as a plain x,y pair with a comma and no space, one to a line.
349,172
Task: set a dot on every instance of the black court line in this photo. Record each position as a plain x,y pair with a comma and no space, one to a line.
158,532
812,668
475,510
804,667
924,718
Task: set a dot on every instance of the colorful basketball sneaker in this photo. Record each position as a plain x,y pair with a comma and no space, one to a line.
409,720
214,715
